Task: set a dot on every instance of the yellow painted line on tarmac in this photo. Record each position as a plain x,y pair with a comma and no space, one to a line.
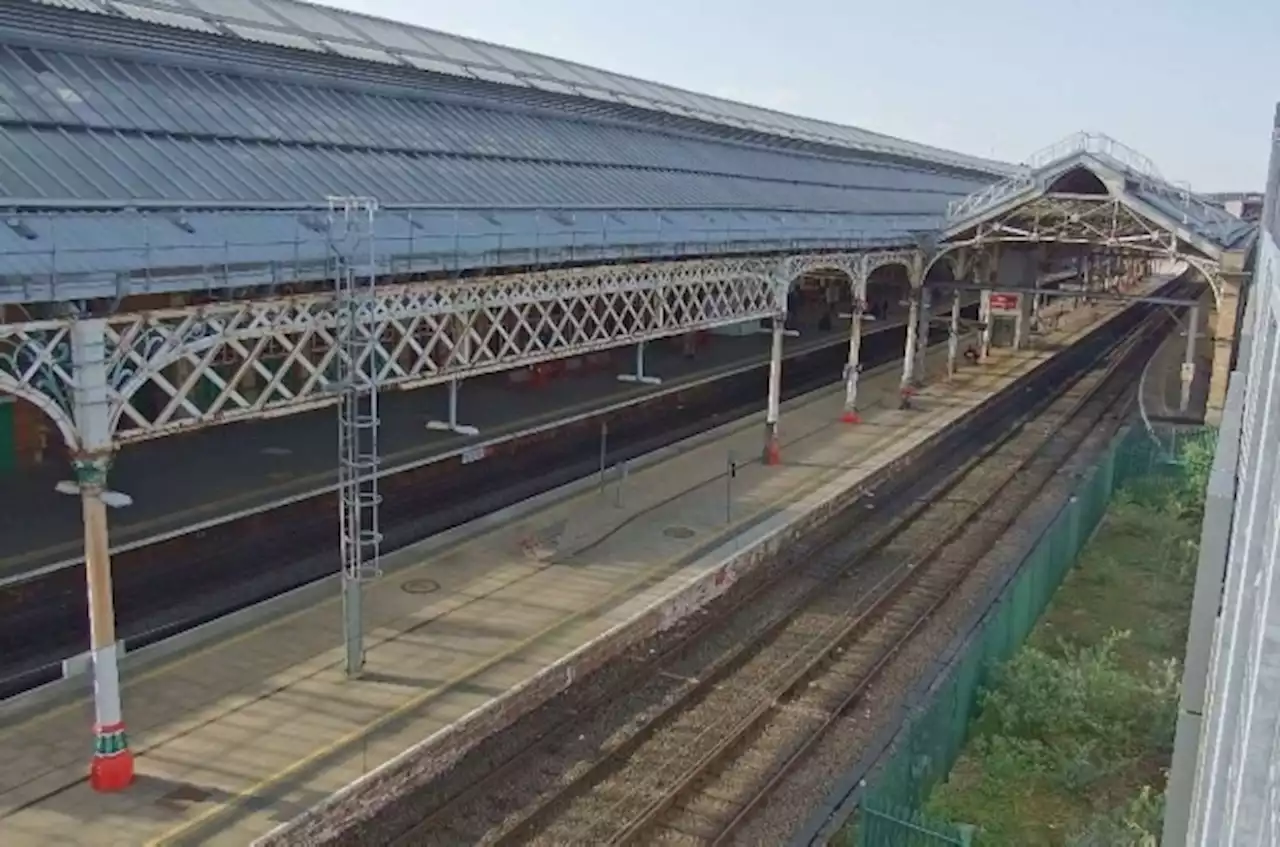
462,546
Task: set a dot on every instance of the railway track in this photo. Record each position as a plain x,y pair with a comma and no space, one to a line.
701,735
221,572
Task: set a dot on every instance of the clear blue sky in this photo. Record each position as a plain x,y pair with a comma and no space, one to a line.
1190,83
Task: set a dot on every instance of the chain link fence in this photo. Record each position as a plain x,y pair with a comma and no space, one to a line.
1146,469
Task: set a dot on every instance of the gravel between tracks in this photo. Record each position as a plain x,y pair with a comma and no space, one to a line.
740,774
573,729
847,739
600,810
553,726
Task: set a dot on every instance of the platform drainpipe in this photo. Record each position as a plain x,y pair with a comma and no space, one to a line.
850,414
922,335
953,335
1189,360
112,765
772,449
909,353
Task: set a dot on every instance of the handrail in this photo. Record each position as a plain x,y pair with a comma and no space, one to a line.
1196,212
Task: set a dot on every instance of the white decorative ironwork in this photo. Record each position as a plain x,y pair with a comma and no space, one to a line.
1103,222
850,264
910,260
991,196
858,267
1107,150
179,369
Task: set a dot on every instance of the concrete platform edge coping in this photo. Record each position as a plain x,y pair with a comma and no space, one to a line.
715,573
22,706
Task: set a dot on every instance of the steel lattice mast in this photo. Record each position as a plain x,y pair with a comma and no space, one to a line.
353,265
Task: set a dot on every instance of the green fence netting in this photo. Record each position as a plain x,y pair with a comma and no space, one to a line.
889,814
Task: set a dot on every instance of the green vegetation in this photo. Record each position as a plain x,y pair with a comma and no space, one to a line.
1076,730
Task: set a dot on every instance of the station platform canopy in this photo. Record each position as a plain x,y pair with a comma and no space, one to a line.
1090,189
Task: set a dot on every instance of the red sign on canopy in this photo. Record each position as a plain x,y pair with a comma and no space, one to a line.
1004,302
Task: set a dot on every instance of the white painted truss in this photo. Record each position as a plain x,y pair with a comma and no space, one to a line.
857,266
179,369
1089,221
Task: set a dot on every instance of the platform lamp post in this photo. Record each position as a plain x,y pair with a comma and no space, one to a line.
112,765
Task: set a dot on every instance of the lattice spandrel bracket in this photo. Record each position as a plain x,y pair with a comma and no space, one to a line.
180,369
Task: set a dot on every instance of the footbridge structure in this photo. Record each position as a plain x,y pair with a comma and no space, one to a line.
193,190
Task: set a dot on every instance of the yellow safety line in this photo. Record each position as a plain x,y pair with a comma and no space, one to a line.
460,547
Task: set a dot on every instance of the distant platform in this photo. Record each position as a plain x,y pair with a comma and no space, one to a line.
183,481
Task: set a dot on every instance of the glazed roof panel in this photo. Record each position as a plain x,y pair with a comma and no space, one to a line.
307,26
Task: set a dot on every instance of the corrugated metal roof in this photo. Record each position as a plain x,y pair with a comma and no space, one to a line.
304,26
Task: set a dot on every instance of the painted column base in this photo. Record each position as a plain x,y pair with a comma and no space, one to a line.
112,766
446,426
642,379
772,449
851,416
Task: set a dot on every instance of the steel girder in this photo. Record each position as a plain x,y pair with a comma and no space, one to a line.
1098,221
178,369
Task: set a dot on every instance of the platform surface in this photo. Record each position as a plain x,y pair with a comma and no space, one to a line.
236,738
181,481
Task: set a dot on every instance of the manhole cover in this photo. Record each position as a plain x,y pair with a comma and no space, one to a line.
679,532
184,795
419,586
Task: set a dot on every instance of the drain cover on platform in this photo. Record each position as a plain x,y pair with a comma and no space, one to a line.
184,795
419,586
679,532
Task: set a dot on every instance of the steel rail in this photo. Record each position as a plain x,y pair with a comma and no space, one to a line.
528,820
761,795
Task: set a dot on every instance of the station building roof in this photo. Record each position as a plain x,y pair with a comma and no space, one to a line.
164,144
